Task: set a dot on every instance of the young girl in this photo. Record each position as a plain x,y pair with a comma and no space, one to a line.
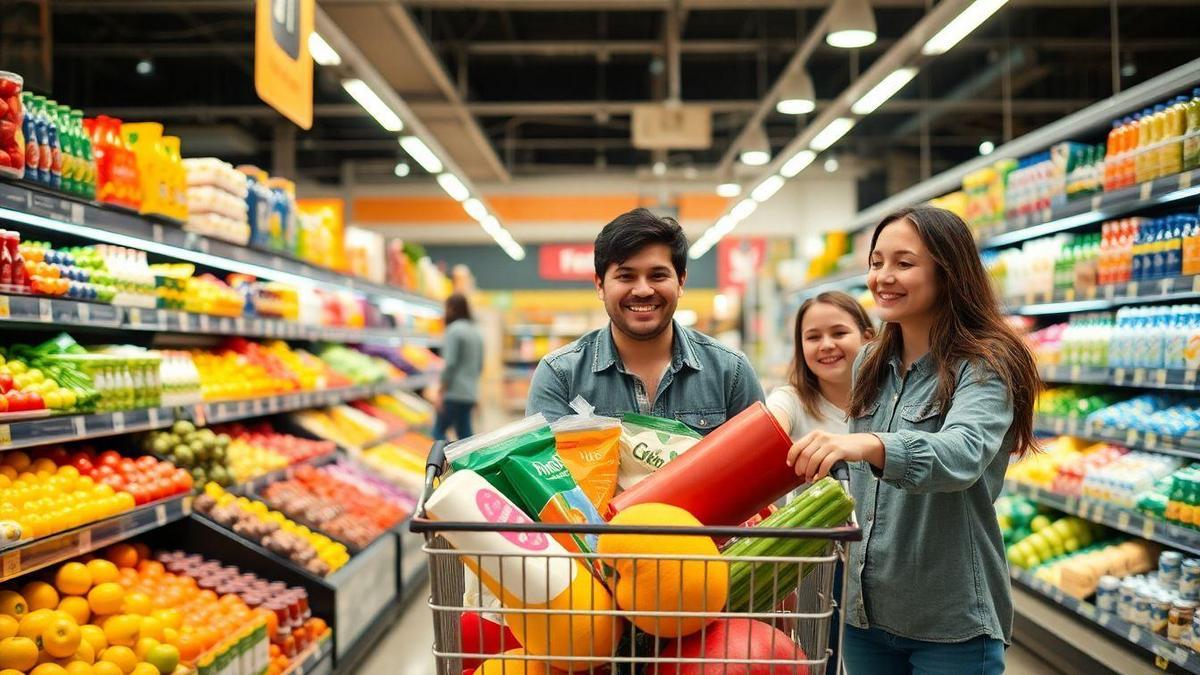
830,329
940,401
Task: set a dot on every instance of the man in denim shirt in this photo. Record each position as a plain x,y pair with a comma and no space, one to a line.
644,361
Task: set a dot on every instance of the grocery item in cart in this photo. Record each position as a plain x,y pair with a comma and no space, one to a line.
732,474
589,446
648,444
520,460
535,575
735,641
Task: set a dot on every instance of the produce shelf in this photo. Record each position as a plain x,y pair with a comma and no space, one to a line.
56,313
1142,378
1182,446
316,660
1117,517
254,485
28,556
1165,653
53,212
62,429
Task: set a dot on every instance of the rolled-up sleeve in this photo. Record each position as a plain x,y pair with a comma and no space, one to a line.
548,393
953,458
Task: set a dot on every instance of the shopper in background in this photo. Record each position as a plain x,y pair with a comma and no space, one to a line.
462,352
940,401
644,361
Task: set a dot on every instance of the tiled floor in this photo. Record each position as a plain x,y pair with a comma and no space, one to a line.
405,650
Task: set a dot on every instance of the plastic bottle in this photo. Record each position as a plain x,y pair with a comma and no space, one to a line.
1112,148
32,147
1191,246
1140,246
1170,157
1142,160
1128,173
1191,146
66,141
1173,248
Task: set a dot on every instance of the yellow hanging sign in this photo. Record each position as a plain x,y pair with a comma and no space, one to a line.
283,66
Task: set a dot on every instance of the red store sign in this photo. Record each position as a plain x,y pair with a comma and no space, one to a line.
567,262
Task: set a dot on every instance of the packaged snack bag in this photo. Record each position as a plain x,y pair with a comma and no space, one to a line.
589,446
648,444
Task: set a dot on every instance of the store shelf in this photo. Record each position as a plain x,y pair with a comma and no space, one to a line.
1142,378
1164,652
50,212
62,429
28,556
1182,446
316,660
258,483
1108,296
1111,515
1088,211
56,313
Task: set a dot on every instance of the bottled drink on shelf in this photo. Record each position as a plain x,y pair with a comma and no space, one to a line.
1191,146
1170,158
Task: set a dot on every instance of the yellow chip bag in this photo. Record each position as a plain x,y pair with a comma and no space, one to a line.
589,446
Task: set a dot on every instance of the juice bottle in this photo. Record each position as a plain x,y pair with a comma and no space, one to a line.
1173,248
1126,174
1139,253
1112,147
1158,128
66,139
87,165
1191,246
1191,146
1104,258
1170,158
1158,250
1140,165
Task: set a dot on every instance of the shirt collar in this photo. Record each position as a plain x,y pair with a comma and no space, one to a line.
922,365
683,351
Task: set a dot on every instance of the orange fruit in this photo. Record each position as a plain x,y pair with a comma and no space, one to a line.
73,578
61,638
143,646
48,668
103,571
40,595
144,669
77,607
33,623
19,653
106,668
164,658
11,671
189,647
122,629
13,604
8,626
80,668
122,555
86,652
137,603
18,460
143,549
170,636
107,597
150,568
124,657
94,635
151,628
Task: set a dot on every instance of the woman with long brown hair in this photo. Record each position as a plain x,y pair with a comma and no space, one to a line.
941,400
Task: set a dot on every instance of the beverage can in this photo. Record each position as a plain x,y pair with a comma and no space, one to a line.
1169,565
1160,610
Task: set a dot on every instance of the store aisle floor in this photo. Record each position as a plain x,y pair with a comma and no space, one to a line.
405,650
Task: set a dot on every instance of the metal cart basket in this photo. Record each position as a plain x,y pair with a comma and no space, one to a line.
792,595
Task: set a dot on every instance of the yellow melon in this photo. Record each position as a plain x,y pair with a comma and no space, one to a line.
517,666
668,584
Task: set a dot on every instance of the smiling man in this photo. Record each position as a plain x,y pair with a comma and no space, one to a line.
644,361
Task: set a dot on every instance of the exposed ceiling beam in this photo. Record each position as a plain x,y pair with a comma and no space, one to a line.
213,6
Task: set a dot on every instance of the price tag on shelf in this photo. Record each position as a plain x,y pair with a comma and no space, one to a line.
222,411
152,414
118,421
1161,661
1104,619
11,563
1034,492
160,514
1131,289
1131,437
1146,190
1118,375
1165,286
84,312
204,324
45,311
79,423
1088,611
1047,214
1097,513
198,415
1069,295
1150,439
1185,180
1123,521
242,407
1080,509
1139,377
76,214
239,326
85,541
1147,528
1096,201
257,406
1134,634
135,316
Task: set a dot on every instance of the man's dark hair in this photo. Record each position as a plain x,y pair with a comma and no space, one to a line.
630,232
457,308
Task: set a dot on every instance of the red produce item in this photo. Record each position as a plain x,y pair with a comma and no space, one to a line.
727,477
731,640
481,636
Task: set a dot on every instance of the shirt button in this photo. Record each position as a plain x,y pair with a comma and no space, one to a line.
895,397
703,422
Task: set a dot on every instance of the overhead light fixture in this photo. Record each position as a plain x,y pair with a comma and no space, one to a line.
797,96
145,67
743,209
723,226
851,24
767,189
797,163
420,152
729,189
402,169
756,149
659,168
475,209
321,52
881,92
831,133
987,148
453,186
831,164
374,105
961,26
491,225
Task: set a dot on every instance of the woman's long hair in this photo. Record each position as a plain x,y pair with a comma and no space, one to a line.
969,325
804,380
457,308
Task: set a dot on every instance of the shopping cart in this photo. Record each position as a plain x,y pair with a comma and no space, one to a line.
801,610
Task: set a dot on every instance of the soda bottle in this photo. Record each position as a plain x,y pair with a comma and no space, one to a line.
32,146
1139,252
1191,146
1173,245
1191,245
66,143
1170,158
1126,174
1157,134
1112,147
86,161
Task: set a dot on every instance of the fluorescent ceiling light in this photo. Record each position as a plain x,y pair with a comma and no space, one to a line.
831,164
374,105
729,189
831,133
797,96
491,225
756,148
515,251
743,209
797,163
401,169
453,186
475,209
767,189
881,92
961,26
321,52
420,152
723,226
987,148
851,24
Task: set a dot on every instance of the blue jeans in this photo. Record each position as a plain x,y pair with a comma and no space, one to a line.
454,415
878,652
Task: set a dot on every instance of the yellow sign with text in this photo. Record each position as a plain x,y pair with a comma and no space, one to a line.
283,67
